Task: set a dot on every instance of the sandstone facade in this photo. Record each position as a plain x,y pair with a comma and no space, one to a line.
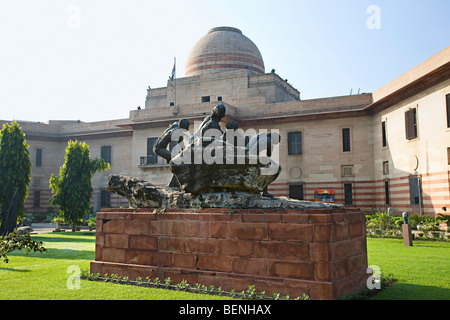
355,146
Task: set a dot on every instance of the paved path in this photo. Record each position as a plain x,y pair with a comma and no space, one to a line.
49,227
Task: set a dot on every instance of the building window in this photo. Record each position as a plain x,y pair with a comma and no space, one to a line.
447,101
448,156
346,143
37,199
347,171
386,192
383,134
206,99
296,191
348,194
152,158
411,124
105,152
414,190
105,199
294,143
386,167
219,98
38,162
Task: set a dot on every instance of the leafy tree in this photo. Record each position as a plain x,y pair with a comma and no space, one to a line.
72,190
15,167
15,241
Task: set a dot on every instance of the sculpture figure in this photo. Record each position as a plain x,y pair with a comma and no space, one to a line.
405,217
211,122
160,147
230,171
261,142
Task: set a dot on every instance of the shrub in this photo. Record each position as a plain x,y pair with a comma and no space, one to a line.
381,224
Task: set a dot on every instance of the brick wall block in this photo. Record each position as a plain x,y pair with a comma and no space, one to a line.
143,242
201,245
214,262
137,226
339,231
184,260
142,257
292,269
241,248
248,231
116,240
298,251
113,226
250,266
172,244
291,232
113,255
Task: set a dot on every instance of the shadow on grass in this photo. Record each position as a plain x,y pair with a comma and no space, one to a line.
13,269
77,238
407,291
55,253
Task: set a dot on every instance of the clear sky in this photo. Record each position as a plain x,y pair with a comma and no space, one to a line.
92,60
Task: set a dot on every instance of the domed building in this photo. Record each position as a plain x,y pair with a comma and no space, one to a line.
389,148
224,53
223,48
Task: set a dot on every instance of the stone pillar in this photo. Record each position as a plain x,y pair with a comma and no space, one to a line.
407,235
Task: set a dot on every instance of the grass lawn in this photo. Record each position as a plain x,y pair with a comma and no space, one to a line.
45,275
422,272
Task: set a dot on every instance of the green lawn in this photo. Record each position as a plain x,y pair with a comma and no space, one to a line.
422,272
45,275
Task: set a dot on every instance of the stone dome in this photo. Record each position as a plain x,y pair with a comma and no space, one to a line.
223,49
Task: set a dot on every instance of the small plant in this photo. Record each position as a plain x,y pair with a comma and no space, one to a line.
197,287
167,282
251,292
183,286
157,282
92,223
114,278
84,273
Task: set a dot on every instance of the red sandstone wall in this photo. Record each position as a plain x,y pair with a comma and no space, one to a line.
318,252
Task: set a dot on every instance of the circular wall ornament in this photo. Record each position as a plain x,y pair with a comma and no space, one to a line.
295,173
414,163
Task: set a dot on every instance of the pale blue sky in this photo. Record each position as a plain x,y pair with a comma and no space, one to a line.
92,60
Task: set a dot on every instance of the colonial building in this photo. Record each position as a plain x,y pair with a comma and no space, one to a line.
389,148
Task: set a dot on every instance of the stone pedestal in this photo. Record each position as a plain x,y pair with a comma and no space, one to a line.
407,235
320,252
